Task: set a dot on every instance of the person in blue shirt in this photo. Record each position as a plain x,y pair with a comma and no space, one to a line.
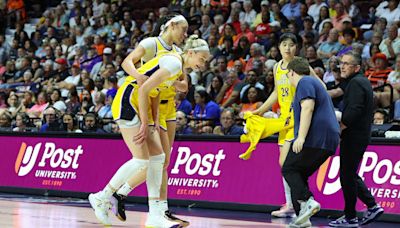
206,113
228,126
316,138
181,124
182,104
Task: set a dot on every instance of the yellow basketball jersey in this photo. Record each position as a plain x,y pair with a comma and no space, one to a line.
285,90
152,66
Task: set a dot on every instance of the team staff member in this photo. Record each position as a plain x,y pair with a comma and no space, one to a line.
316,138
356,122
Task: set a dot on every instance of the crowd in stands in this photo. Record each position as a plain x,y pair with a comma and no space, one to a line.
64,74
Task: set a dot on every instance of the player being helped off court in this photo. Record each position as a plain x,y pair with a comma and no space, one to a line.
283,94
172,30
134,116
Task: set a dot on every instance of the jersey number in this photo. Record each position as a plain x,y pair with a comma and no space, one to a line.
285,92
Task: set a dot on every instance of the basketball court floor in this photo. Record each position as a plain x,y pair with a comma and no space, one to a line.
33,211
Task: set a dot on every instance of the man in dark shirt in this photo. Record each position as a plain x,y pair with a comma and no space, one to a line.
228,126
356,122
316,138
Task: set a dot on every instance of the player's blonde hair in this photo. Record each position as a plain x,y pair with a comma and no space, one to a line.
194,43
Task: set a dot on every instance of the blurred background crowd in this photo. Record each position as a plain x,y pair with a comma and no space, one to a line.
60,61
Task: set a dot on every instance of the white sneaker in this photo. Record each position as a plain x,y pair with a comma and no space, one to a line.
159,221
284,212
308,209
303,225
100,207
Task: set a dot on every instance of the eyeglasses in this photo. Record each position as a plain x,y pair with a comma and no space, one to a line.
346,64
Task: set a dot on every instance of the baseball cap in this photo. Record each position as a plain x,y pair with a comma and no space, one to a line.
264,3
107,51
61,61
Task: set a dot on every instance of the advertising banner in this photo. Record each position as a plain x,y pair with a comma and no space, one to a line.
199,171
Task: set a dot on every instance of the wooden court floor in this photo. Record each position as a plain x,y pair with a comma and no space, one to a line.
31,212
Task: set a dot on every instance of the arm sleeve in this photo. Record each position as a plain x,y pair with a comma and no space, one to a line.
150,45
306,90
171,63
355,105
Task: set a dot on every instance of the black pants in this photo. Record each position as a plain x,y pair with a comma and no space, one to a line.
351,153
298,168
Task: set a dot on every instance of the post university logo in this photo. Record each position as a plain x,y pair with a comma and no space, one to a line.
59,160
382,172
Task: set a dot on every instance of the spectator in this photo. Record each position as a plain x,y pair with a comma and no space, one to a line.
253,101
182,103
394,76
229,92
341,15
100,108
228,126
245,32
315,9
10,72
229,31
391,45
278,15
291,10
61,72
37,71
264,9
51,120
14,105
234,24
40,106
87,101
182,127
330,47
99,67
25,66
379,74
263,30
205,26
251,81
215,87
91,124
255,54
268,82
222,69
324,29
72,103
5,121
376,39
391,13
380,116
249,14
274,54
27,101
21,122
242,50
353,11
308,28
71,123
70,81
312,57
206,113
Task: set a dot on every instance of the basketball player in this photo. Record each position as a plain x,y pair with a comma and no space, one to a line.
134,115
